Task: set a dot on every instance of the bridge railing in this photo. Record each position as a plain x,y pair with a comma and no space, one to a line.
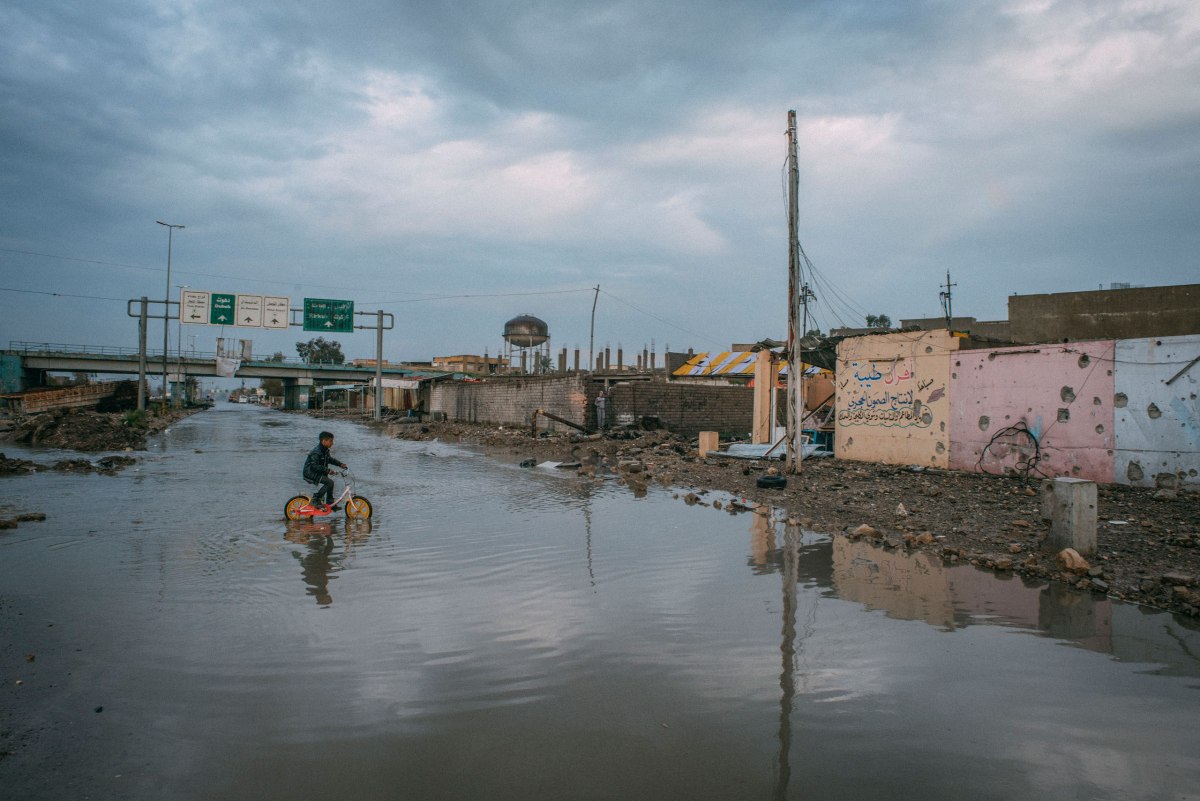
63,349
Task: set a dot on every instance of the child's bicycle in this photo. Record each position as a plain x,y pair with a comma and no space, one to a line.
357,507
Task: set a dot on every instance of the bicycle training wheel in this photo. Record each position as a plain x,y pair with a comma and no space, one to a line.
291,509
358,509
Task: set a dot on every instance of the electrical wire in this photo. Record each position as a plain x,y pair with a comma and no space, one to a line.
656,317
1022,466
59,294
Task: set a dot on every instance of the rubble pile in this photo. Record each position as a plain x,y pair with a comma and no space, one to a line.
88,431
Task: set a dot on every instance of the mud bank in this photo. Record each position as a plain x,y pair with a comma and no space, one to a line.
89,431
1148,541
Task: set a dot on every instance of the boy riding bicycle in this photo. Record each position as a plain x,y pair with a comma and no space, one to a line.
316,470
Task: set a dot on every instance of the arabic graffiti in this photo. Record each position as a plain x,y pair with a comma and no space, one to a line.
885,393
890,373
889,409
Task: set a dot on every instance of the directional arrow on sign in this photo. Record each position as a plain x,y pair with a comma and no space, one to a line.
249,320
329,324
221,317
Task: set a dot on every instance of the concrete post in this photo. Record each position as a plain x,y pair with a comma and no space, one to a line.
1047,498
764,388
709,441
1073,520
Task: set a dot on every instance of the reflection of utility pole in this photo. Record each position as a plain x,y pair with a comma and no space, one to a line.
787,675
944,295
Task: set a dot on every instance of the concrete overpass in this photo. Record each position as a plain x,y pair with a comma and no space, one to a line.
25,364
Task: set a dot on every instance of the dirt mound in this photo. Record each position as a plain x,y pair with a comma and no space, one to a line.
79,430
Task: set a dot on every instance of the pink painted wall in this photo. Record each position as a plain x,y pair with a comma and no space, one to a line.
1062,393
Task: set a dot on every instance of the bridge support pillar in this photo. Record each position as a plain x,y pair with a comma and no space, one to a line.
297,393
12,375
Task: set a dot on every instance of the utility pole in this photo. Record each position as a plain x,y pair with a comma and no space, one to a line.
797,296
167,310
592,338
944,295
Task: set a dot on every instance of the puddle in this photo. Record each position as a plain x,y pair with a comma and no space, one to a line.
500,632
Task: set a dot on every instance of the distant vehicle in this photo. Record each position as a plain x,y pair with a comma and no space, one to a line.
243,399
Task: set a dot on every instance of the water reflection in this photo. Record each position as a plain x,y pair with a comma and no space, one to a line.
503,633
323,560
918,586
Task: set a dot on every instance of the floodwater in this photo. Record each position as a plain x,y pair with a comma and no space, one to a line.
508,633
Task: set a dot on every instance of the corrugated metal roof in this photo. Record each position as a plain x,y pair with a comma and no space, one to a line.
729,363
724,363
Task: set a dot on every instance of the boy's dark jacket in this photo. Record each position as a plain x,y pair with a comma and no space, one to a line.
317,463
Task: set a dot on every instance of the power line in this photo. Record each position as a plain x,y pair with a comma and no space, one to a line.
59,294
269,282
480,295
656,317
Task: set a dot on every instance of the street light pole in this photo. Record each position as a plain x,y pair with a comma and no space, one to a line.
167,309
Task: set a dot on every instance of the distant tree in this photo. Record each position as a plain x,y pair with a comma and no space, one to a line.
879,321
320,350
813,332
278,357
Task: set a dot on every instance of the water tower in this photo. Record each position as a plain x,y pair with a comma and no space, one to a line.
529,336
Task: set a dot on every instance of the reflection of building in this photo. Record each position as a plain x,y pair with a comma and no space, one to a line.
917,586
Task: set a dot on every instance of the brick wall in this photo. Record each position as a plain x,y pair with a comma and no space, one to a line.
511,401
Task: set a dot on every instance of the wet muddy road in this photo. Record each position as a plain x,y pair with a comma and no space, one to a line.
507,633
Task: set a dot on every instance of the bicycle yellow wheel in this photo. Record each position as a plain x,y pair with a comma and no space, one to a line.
291,509
358,509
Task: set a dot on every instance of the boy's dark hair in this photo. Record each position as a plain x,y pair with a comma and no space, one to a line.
325,435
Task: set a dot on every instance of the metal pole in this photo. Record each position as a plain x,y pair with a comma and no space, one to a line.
141,393
592,338
379,365
179,350
167,309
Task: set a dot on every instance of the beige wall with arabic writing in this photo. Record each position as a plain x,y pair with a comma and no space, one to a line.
893,398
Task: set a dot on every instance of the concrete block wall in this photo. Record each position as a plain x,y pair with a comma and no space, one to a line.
685,408
511,401
1157,424
1061,394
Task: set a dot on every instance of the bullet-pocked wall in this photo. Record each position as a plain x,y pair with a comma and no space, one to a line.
893,398
1158,423
1044,409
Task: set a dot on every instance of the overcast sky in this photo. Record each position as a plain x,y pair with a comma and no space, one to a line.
458,164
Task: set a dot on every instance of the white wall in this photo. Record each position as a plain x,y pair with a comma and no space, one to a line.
1157,425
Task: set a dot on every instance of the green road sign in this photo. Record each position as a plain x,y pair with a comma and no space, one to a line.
332,316
221,310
